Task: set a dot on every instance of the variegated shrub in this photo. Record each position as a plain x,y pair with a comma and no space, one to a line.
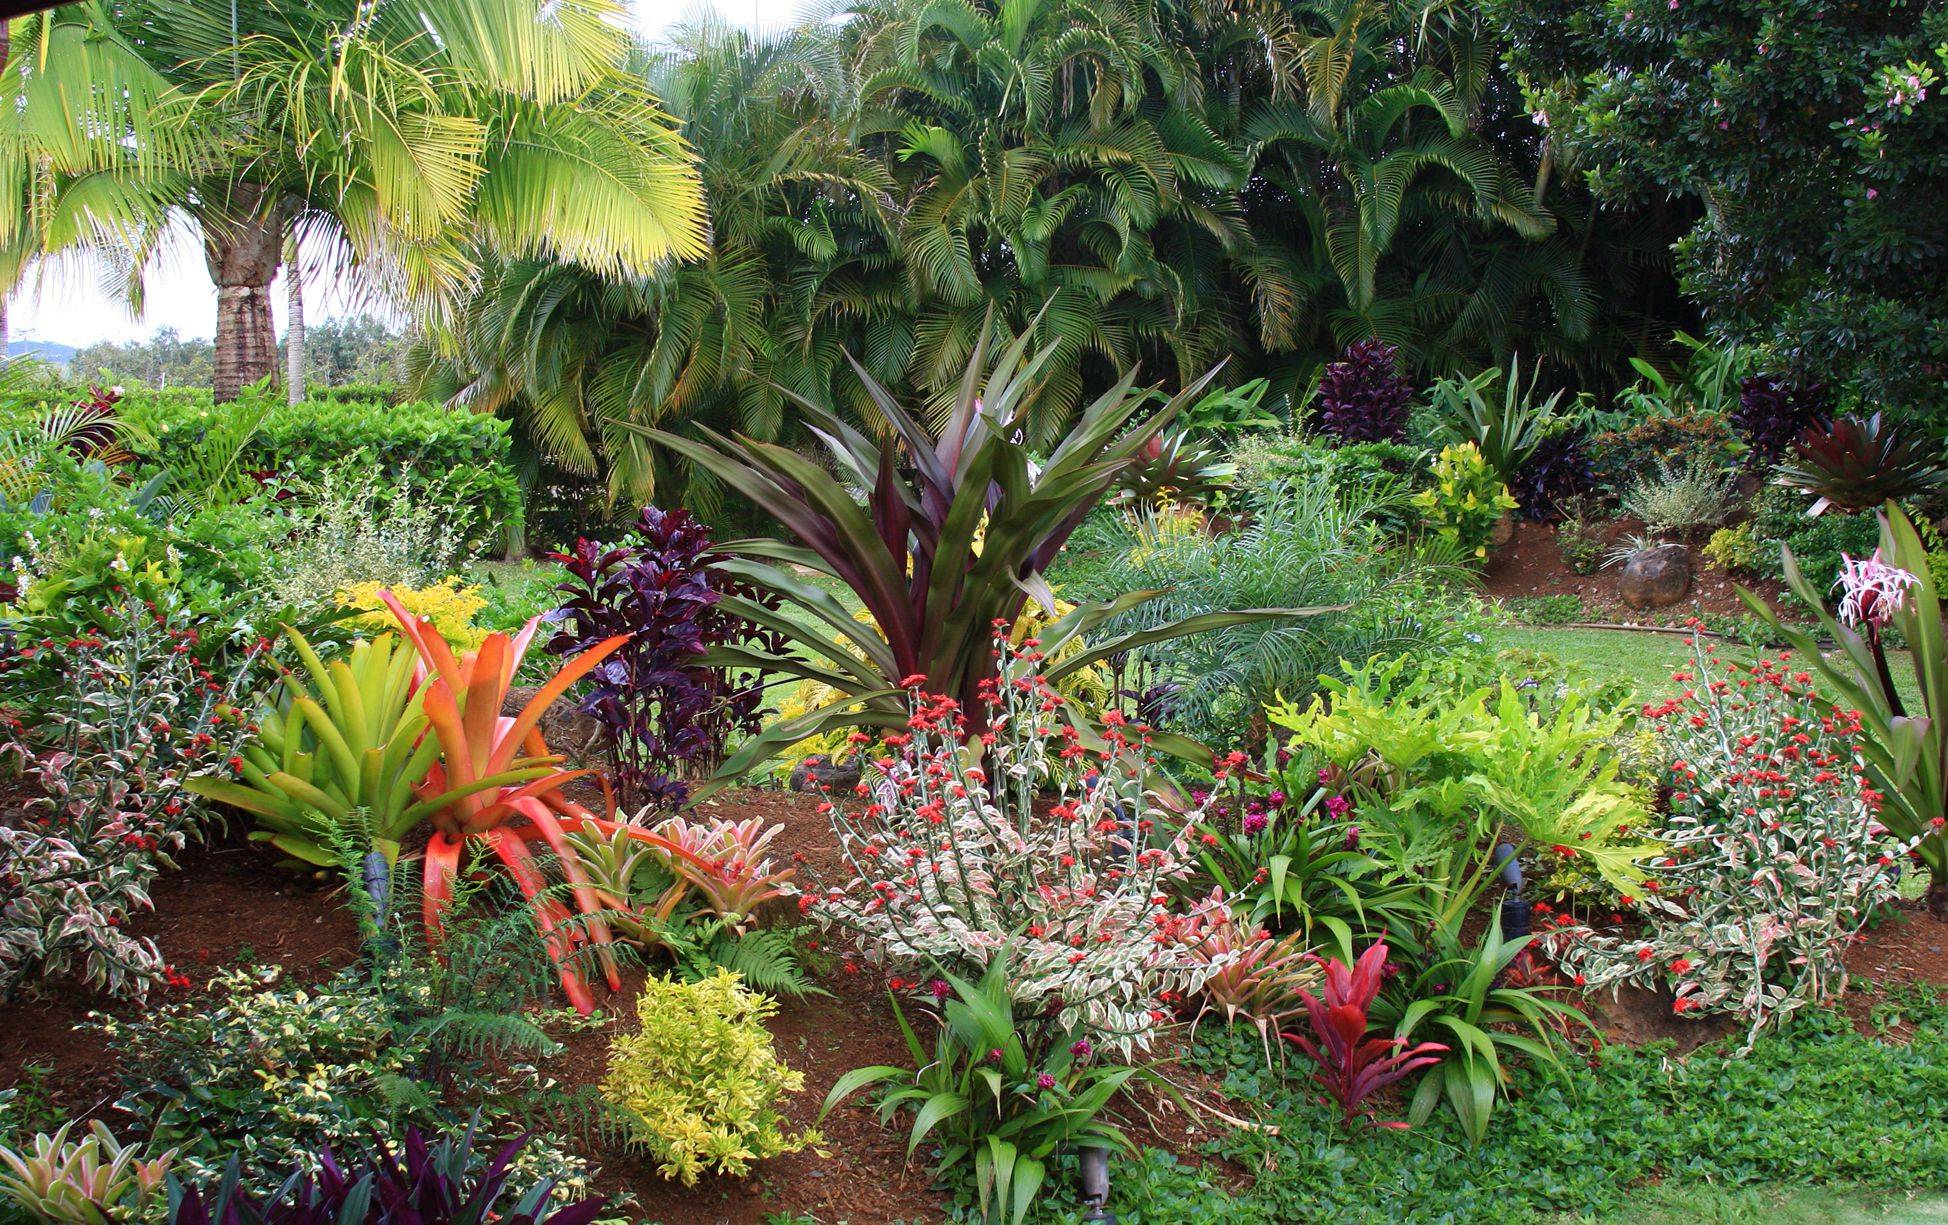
1775,854
960,858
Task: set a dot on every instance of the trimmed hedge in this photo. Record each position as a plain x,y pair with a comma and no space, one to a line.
435,451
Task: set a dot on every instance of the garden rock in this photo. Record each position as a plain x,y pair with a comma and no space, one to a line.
1656,578
820,773
567,730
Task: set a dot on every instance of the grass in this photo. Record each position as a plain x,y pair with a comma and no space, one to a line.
1720,1205
1642,659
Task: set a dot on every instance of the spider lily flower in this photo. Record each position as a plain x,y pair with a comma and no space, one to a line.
1873,590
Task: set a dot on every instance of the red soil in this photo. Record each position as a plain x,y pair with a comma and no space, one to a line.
1531,565
229,904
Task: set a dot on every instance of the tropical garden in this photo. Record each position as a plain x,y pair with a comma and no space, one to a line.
986,610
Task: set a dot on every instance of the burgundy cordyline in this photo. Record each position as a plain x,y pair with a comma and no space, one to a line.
1362,397
1352,1066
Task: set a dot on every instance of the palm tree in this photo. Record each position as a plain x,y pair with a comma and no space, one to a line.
797,272
405,135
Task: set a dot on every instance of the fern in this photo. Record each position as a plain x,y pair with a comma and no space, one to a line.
767,959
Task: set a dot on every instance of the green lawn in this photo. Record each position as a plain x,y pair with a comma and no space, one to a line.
1644,659
1712,1205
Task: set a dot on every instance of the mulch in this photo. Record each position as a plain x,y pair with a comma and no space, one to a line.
1531,565
230,904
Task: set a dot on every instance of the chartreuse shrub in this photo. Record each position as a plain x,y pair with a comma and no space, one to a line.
1466,499
450,605
702,1078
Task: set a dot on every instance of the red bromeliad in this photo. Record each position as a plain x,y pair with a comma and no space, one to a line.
465,694
1353,1067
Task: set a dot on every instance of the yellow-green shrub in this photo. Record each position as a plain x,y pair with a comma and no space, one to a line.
702,1076
449,604
1737,550
1466,499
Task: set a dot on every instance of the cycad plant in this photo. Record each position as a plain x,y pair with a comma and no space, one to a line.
953,537
1306,544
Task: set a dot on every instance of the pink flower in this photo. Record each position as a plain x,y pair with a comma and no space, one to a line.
939,988
1255,822
1082,1049
1873,589
1045,1081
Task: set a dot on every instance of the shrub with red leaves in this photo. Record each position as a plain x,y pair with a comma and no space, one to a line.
1362,397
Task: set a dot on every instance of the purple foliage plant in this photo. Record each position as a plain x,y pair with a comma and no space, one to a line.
1362,397
664,712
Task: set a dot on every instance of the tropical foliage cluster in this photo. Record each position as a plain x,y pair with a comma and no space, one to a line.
1098,448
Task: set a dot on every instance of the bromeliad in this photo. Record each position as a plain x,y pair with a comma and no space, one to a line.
462,697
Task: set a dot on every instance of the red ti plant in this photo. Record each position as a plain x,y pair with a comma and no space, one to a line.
1352,1066
478,745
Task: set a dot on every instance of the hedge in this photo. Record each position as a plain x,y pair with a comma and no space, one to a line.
432,450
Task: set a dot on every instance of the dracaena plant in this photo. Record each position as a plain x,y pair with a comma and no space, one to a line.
483,807
662,709
1905,751
1353,1067
1856,463
954,533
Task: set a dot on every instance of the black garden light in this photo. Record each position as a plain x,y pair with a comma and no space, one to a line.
1515,908
1095,1186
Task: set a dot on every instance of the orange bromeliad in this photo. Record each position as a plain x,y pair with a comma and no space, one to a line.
465,694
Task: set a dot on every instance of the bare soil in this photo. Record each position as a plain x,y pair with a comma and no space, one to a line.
1531,565
231,904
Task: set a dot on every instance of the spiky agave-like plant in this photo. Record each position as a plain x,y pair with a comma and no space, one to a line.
953,537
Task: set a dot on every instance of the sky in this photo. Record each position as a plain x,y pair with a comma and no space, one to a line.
64,304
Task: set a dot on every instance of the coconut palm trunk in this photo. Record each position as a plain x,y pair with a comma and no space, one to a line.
243,253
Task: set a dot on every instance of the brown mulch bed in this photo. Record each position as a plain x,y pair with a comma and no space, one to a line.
1531,565
230,904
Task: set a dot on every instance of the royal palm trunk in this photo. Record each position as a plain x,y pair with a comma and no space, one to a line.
243,251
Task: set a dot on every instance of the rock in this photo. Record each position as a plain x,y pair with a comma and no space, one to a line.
1503,531
567,730
819,773
1656,578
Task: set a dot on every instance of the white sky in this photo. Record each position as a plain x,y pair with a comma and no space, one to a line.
63,303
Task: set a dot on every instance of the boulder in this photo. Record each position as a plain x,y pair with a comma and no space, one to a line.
1656,578
820,773
567,730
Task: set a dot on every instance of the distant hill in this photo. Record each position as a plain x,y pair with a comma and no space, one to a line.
47,350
